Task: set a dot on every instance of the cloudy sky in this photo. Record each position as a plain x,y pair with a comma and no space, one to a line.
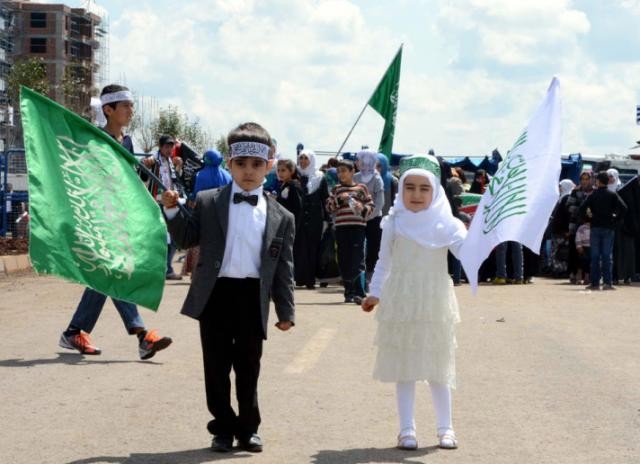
473,71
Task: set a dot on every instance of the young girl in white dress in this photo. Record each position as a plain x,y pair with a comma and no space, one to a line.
418,309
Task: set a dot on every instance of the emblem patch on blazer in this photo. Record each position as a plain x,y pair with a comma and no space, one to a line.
274,249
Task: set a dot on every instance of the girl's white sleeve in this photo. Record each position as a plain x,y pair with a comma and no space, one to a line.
459,237
383,266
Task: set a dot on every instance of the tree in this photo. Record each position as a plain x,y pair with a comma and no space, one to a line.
142,125
30,73
221,145
72,86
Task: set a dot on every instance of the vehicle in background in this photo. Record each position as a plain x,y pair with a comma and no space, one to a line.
627,166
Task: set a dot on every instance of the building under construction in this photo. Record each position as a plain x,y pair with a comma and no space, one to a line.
72,45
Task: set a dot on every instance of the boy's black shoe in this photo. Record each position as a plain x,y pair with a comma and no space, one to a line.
357,300
348,299
253,444
222,443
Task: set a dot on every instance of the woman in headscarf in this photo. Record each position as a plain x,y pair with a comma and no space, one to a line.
614,180
366,162
211,175
307,244
559,230
389,181
623,243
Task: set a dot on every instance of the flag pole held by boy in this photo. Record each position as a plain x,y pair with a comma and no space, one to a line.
92,219
520,198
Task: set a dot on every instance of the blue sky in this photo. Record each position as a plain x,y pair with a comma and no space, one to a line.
473,71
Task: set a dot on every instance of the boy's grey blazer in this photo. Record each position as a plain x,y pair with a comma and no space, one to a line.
207,227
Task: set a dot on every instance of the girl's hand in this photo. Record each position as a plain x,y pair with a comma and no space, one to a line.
369,303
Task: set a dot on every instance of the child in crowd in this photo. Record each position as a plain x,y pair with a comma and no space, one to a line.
583,247
369,176
418,307
290,193
246,259
351,205
117,106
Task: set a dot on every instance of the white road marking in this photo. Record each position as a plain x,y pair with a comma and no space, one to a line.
311,352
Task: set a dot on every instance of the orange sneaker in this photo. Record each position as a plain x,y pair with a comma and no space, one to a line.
151,343
80,342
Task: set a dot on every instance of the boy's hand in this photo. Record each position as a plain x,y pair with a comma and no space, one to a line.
148,161
284,325
170,198
369,303
177,163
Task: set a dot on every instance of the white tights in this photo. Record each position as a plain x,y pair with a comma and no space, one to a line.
441,395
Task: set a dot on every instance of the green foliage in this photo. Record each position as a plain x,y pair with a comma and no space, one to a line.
30,73
171,121
221,145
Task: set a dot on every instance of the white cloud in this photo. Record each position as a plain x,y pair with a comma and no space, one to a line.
304,69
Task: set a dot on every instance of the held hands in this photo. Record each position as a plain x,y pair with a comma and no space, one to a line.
369,303
170,198
284,325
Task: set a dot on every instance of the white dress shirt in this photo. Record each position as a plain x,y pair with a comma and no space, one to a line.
243,247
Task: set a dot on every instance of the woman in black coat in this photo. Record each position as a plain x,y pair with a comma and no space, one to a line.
307,245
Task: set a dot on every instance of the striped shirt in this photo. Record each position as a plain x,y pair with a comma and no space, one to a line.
345,200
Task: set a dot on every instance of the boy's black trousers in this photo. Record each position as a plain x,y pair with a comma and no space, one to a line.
231,334
350,241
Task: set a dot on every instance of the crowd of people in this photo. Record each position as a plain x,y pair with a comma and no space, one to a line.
593,231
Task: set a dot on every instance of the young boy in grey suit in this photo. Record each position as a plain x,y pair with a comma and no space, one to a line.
246,258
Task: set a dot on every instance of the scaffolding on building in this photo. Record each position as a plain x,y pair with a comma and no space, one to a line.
101,34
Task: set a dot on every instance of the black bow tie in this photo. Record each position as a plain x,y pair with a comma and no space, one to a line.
251,199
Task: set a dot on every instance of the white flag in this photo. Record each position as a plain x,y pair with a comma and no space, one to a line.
523,192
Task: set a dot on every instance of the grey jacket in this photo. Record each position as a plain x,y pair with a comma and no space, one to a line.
207,227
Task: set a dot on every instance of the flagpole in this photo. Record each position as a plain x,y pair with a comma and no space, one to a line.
159,183
367,104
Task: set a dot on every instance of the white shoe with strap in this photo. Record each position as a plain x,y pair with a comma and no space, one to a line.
407,439
447,440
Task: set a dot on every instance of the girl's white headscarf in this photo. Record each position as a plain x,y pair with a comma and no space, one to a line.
367,165
566,187
310,172
434,227
616,176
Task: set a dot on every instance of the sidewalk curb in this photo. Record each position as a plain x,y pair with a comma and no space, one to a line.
12,264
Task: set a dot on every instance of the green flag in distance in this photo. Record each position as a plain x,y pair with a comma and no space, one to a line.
385,102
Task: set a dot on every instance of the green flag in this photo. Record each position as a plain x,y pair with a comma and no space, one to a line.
385,102
92,220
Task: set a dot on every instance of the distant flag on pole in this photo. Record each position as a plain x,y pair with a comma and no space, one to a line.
523,192
385,101
638,115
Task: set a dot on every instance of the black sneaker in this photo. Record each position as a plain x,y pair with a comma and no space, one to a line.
222,443
253,444
151,343
348,299
357,300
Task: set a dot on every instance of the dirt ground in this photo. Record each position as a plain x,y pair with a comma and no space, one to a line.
547,373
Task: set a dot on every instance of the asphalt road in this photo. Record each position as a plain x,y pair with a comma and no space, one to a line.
557,380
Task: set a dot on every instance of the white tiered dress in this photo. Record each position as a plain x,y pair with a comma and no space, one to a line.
416,316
